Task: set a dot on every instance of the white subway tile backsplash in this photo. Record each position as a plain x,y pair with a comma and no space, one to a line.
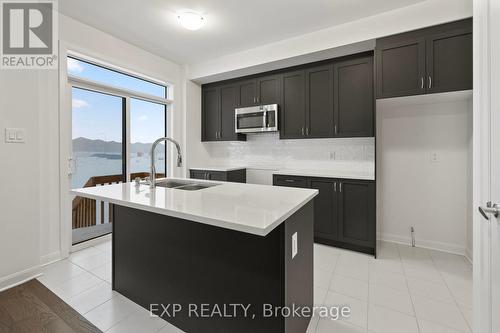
268,151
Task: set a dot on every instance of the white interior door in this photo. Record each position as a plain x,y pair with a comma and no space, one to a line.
495,162
487,166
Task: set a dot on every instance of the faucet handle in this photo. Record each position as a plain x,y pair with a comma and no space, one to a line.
137,181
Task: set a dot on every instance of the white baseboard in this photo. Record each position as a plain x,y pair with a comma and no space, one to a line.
90,243
468,255
18,278
431,245
50,258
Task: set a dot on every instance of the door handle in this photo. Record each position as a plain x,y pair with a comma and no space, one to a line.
340,186
307,131
335,187
302,130
489,209
430,82
422,83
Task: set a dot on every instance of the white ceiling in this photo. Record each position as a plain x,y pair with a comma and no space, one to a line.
230,25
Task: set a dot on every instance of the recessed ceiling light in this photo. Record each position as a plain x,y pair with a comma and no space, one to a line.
191,20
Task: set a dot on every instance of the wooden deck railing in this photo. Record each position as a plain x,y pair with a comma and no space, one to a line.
85,210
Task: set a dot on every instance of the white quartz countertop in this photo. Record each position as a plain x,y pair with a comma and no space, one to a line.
250,208
218,168
327,173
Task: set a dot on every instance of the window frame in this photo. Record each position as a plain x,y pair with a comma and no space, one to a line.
126,95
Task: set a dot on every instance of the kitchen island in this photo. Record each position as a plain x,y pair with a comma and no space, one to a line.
219,257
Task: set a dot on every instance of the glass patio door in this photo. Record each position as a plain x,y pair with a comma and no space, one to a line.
98,158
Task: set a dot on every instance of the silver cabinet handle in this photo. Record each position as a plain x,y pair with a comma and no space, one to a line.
302,130
290,180
430,82
340,186
335,129
335,187
422,83
490,209
307,131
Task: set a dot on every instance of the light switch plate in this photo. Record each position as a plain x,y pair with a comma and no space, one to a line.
295,245
14,135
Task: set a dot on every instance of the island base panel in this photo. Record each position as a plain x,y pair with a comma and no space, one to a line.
158,259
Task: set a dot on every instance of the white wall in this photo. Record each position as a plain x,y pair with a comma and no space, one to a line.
413,190
29,173
422,14
20,195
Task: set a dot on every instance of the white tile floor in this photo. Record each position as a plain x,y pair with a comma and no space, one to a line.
405,290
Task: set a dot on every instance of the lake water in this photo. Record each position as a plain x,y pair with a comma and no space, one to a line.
89,164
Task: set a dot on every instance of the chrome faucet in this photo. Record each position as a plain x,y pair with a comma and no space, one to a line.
152,174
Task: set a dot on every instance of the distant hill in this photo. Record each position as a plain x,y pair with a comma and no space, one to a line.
101,146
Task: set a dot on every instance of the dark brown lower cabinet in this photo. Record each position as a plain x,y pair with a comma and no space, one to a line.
344,211
356,213
236,176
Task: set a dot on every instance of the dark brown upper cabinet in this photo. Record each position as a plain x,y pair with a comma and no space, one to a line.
293,105
247,93
449,61
218,113
268,90
260,91
431,60
319,102
210,116
400,68
353,99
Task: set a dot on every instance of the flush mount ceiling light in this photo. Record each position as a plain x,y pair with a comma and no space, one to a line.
191,20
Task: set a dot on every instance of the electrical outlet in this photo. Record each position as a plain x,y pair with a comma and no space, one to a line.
435,158
295,245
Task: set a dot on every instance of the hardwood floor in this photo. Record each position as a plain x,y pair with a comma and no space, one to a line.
31,307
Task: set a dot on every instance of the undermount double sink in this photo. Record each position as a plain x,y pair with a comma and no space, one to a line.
184,185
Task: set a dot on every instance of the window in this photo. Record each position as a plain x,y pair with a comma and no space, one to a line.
106,147
86,70
147,123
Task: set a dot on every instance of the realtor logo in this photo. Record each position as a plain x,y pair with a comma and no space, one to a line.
29,37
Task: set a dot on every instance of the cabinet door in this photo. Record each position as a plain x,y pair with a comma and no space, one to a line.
319,102
353,97
216,175
325,209
357,212
198,174
449,61
268,91
400,68
293,111
210,114
247,91
290,181
228,104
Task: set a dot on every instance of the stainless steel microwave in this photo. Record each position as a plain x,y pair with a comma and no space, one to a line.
256,119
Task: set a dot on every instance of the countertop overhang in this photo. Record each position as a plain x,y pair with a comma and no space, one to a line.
250,208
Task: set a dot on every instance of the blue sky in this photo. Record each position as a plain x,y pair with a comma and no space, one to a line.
99,116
